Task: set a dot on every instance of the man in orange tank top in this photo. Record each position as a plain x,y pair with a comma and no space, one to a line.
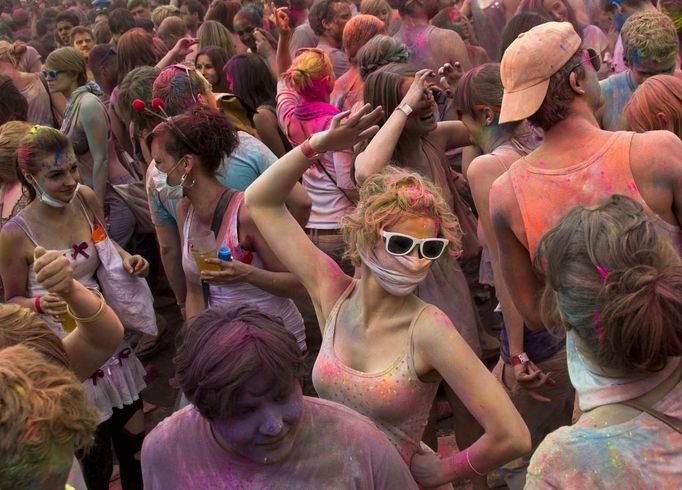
552,81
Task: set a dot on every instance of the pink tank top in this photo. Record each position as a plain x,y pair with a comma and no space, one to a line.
395,399
546,195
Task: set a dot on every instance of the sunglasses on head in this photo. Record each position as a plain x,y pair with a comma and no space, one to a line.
49,74
399,244
300,51
187,69
594,58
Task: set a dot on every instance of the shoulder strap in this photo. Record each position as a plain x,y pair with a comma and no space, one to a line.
673,423
216,223
329,176
23,225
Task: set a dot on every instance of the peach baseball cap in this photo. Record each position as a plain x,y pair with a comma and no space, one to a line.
528,64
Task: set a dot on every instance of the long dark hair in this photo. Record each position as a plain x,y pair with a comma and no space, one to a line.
251,79
218,58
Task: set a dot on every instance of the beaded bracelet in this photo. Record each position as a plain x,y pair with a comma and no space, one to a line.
91,319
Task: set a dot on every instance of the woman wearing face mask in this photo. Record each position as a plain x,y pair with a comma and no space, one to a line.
253,274
411,138
62,216
384,350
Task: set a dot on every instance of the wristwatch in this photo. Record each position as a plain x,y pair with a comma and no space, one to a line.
405,108
520,359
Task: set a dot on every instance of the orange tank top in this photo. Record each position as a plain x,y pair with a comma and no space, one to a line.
546,195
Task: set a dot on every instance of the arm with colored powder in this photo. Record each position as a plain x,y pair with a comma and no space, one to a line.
283,56
483,171
438,346
94,123
265,198
378,153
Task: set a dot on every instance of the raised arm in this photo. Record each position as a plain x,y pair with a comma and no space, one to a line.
265,199
283,56
94,341
438,346
377,155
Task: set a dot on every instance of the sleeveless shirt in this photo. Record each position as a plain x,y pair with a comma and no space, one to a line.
395,399
591,181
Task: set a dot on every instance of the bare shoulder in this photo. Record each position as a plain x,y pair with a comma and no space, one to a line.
484,167
264,115
87,194
433,328
656,146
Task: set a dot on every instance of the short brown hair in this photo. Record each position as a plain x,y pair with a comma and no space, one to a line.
44,407
557,104
613,278
225,346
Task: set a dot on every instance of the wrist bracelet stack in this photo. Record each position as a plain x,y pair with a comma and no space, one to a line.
90,319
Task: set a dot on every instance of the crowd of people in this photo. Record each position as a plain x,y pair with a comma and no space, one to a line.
371,216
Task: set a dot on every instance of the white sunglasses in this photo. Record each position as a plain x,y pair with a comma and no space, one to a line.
399,244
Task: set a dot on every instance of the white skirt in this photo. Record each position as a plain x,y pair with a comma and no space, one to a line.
118,382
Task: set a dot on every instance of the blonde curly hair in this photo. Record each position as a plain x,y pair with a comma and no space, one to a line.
387,197
44,408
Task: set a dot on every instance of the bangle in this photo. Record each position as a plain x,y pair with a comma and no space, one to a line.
91,319
36,305
307,150
466,454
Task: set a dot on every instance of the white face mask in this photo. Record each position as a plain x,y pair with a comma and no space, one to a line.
398,275
171,191
51,201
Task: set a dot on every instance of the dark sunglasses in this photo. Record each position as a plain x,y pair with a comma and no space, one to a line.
49,74
595,60
399,244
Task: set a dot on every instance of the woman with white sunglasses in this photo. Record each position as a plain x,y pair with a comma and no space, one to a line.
384,350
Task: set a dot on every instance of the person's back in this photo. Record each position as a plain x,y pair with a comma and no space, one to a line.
576,159
335,448
642,452
614,284
430,47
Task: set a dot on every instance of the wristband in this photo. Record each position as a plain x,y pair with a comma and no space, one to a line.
307,150
405,108
520,359
36,304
